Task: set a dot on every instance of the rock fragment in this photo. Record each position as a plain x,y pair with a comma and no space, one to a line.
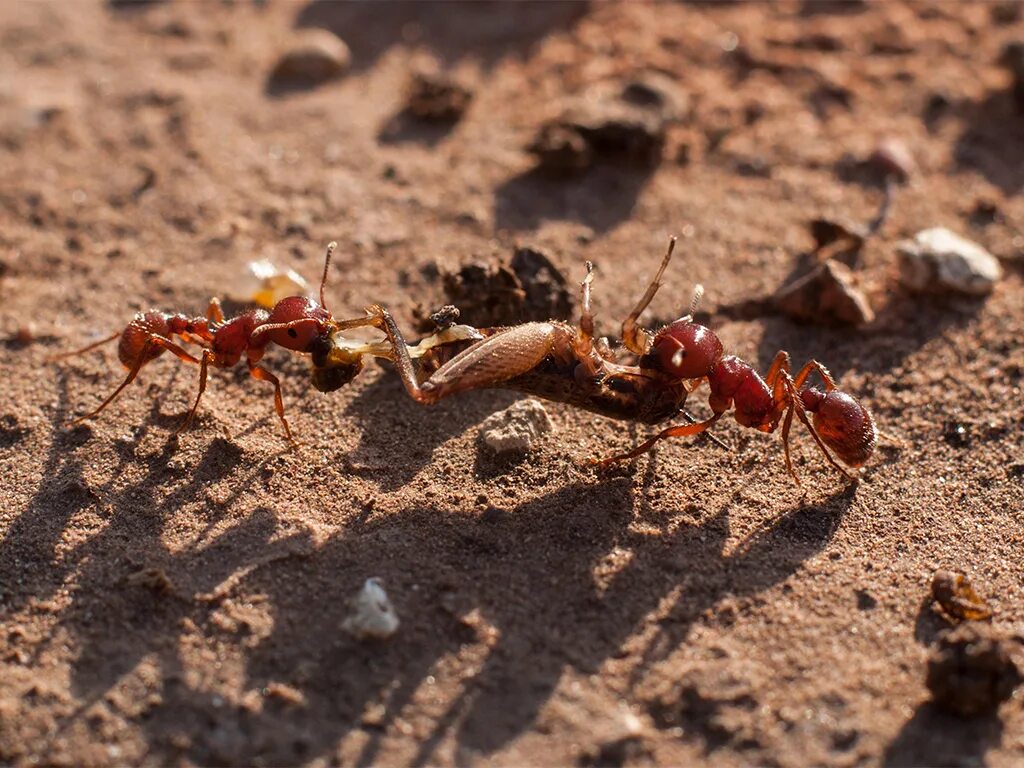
373,616
314,57
528,287
971,670
828,295
940,261
517,428
615,122
437,97
547,292
893,158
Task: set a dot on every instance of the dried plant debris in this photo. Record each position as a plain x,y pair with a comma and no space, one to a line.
838,235
437,97
528,287
972,670
940,261
956,596
617,122
827,294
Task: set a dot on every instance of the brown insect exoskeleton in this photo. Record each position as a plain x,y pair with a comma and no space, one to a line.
557,361
295,323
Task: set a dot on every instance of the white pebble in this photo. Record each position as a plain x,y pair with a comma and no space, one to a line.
938,260
373,615
516,428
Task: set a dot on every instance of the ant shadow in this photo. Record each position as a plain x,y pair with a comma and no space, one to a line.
933,737
993,142
900,329
452,31
383,405
600,198
516,584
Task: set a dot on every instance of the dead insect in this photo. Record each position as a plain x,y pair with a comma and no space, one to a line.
956,596
557,361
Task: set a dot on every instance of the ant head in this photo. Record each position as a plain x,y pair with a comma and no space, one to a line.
305,320
843,424
687,349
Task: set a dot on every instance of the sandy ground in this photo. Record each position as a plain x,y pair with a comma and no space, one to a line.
172,600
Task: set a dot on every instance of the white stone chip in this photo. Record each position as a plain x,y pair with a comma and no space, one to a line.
516,428
373,615
938,261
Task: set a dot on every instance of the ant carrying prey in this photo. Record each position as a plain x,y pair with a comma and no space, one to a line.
297,323
565,363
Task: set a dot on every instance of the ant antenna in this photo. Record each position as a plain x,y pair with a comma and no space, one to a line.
327,265
698,294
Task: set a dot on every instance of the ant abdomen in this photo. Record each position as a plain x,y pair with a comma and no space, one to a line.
842,423
143,326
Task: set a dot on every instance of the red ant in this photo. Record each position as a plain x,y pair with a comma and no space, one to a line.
295,323
557,361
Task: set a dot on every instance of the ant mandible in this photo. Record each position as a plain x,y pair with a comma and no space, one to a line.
295,323
557,361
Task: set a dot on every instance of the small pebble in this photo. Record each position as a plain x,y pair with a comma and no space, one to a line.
939,261
893,158
561,150
315,56
827,294
517,428
437,97
373,616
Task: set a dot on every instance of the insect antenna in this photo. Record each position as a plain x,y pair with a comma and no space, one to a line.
698,294
327,265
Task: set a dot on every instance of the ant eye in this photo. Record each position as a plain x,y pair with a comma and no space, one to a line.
293,333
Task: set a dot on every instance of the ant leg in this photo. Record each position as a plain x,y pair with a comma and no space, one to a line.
585,334
781,364
207,357
258,372
810,367
785,442
487,363
89,348
140,360
796,404
637,340
586,313
681,430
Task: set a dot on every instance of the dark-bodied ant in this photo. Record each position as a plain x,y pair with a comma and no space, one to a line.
565,363
295,323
